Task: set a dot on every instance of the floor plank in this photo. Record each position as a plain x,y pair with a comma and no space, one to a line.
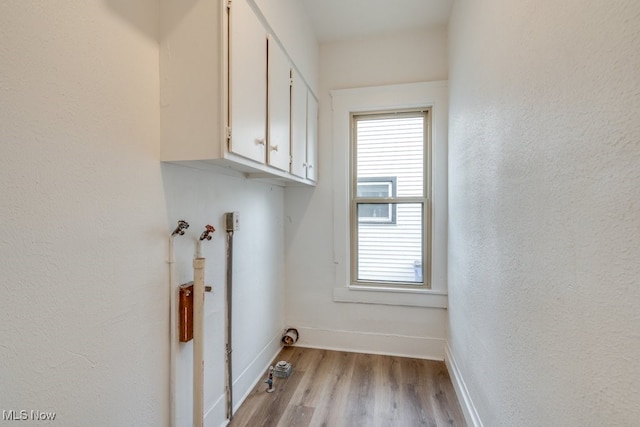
335,389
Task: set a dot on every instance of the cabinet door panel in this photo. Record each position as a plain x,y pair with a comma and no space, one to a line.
247,82
279,96
312,138
298,127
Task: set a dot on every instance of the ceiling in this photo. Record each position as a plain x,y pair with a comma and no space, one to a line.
335,20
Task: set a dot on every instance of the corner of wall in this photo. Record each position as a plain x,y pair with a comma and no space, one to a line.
464,398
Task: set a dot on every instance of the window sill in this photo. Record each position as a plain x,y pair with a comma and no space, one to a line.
391,296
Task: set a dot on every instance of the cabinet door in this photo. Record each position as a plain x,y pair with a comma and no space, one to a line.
279,96
312,138
298,127
247,82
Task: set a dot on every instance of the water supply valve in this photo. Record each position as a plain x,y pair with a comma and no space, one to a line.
206,234
179,230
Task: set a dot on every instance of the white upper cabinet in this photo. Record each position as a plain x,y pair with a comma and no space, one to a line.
312,138
247,83
226,87
304,128
279,95
298,126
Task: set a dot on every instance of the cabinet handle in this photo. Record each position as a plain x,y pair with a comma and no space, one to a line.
310,166
260,141
274,148
304,165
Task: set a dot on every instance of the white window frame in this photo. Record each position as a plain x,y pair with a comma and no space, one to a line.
345,102
423,199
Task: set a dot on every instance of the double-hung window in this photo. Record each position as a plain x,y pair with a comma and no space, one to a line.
390,194
389,198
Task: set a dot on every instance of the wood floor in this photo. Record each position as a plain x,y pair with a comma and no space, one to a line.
334,389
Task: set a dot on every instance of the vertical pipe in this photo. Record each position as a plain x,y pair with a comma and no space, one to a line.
173,339
228,316
173,321
198,342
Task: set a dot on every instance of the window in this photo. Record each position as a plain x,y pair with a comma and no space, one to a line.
430,290
377,187
388,213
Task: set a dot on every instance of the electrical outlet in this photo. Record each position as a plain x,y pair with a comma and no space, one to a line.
232,221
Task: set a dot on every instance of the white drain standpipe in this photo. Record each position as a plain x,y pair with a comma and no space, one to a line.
198,329
198,341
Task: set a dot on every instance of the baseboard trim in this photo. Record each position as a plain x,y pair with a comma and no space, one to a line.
245,382
372,343
248,379
468,408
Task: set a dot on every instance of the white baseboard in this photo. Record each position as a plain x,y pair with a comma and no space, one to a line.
216,413
372,343
244,383
468,408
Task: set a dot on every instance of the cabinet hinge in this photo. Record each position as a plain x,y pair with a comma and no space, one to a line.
291,82
229,4
228,133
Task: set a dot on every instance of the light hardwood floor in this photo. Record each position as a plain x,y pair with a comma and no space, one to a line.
335,389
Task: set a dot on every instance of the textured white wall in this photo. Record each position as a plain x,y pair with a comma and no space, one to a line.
83,301
310,271
383,60
86,212
202,197
544,213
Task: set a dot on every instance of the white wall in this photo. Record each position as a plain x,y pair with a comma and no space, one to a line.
86,212
310,269
544,210
83,301
384,60
202,197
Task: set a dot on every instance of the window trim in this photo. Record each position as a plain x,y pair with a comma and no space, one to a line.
423,200
380,98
